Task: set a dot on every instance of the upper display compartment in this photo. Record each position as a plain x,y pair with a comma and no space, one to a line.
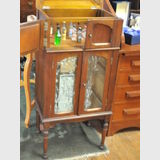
72,27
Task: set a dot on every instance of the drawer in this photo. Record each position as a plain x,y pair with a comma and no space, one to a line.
126,111
128,78
129,93
129,63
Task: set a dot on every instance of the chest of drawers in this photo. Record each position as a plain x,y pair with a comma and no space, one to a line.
126,101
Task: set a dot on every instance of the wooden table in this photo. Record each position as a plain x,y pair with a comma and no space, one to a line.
29,44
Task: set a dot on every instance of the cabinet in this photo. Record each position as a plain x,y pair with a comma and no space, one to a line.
27,7
75,81
126,101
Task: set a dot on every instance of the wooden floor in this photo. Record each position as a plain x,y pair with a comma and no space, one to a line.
123,146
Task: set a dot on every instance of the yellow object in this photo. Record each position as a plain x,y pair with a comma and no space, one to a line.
69,4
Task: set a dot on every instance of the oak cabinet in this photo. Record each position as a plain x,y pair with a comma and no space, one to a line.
75,81
126,101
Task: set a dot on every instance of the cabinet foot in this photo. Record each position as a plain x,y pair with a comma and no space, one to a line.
45,144
101,147
45,156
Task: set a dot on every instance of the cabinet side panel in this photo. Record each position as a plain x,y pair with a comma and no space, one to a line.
39,79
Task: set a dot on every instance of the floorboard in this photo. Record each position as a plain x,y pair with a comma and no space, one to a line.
124,145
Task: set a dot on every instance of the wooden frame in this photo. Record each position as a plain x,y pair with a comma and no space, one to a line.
107,56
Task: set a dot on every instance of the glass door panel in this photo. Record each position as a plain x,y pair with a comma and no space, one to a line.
65,85
95,82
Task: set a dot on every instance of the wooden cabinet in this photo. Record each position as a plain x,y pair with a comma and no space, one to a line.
126,101
75,81
27,7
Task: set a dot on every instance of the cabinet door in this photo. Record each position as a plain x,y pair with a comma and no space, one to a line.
65,81
94,81
103,33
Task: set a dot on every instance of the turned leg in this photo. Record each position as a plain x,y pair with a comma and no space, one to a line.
38,121
45,144
27,69
104,132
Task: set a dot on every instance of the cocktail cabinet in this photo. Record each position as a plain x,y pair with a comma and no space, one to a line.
75,78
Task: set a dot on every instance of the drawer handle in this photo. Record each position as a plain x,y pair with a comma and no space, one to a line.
134,78
133,94
101,44
136,63
132,111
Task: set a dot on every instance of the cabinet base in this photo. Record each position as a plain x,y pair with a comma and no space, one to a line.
117,126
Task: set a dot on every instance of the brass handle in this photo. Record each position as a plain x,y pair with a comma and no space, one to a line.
90,35
134,78
133,94
131,111
135,63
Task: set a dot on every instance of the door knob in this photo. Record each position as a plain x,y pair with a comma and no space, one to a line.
90,35
84,84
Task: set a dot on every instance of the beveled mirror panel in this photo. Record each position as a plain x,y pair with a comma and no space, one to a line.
65,85
95,82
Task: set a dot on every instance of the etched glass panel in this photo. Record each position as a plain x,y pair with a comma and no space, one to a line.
95,82
65,85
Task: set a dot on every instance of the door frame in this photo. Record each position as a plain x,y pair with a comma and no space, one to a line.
107,55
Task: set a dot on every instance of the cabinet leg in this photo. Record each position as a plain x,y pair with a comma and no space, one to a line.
104,132
45,144
38,121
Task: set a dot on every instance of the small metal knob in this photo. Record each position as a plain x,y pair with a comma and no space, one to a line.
84,84
90,35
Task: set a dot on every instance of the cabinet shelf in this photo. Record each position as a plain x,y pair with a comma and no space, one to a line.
67,44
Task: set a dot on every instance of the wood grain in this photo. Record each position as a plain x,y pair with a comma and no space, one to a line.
122,146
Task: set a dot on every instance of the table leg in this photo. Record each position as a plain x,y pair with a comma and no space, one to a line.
27,69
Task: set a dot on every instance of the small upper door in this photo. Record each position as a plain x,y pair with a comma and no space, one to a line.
103,33
94,81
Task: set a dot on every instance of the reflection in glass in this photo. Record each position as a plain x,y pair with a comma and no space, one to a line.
65,85
95,82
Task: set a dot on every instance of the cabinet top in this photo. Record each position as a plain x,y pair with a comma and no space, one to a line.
74,4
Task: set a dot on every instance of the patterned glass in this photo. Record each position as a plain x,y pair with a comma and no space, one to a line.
65,85
95,82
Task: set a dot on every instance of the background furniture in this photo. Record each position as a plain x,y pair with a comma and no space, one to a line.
29,44
27,7
126,101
